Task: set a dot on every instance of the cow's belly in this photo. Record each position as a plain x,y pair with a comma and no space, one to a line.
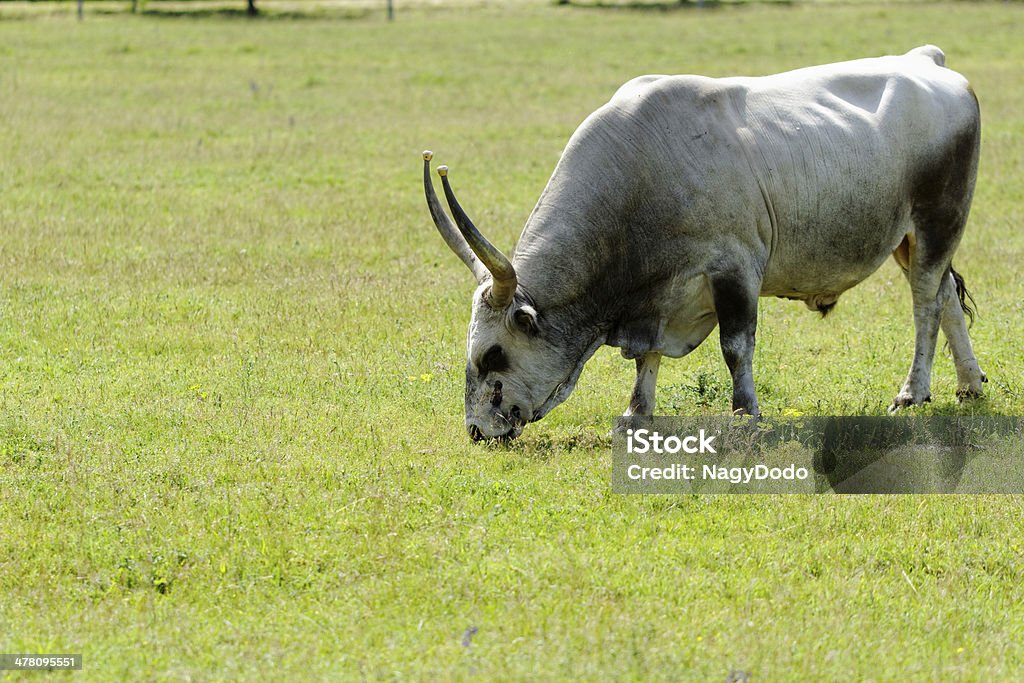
821,278
829,255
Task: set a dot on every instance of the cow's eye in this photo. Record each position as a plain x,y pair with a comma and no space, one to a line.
493,361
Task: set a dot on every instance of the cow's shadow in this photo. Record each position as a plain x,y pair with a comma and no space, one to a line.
891,455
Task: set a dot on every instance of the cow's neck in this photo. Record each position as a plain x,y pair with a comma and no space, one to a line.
582,256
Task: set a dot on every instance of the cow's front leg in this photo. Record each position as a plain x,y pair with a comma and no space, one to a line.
736,307
642,400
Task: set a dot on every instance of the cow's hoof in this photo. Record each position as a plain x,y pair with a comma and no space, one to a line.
967,393
627,422
905,399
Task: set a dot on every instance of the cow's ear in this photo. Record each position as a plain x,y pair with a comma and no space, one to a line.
525,319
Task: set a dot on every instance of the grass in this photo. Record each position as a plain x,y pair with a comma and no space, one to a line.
231,350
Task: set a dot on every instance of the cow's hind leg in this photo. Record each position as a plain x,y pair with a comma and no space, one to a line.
929,299
941,202
736,307
969,376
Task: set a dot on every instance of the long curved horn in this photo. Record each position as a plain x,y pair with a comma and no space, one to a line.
456,242
503,289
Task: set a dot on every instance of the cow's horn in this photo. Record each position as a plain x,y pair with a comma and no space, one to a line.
504,286
456,242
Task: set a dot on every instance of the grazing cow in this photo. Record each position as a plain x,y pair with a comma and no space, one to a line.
683,199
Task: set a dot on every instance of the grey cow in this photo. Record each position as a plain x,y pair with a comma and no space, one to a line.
683,199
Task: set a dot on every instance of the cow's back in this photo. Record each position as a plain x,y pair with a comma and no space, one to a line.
819,164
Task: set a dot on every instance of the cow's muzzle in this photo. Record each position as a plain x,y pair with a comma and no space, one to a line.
499,426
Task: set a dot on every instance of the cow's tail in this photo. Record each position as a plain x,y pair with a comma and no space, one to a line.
963,295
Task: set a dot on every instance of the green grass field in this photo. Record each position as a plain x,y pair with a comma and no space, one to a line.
232,349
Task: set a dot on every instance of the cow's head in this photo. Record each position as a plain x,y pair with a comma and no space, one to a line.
518,367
